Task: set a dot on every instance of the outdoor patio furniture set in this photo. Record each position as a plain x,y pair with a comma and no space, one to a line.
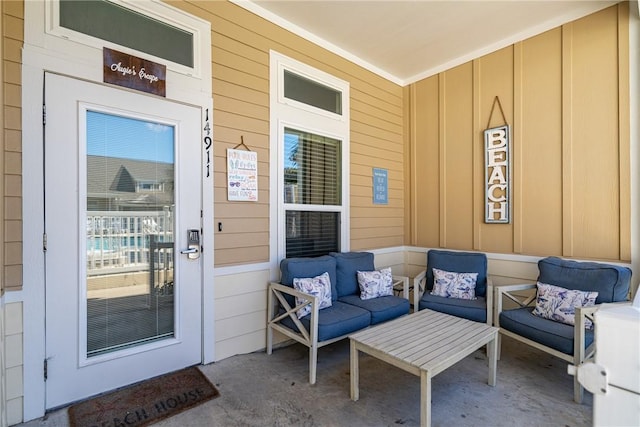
556,318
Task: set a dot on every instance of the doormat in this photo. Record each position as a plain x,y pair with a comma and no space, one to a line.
146,402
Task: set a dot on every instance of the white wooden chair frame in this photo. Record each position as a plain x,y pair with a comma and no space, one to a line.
580,354
420,284
307,337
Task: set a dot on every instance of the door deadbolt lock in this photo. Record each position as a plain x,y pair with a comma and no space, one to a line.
193,244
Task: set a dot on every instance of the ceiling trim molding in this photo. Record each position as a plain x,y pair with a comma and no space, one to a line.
299,31
580,10
586,8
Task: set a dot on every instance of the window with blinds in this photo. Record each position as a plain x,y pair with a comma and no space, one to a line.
313,170
311,111
312,177
312,233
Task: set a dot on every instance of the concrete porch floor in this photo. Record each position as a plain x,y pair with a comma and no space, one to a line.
256,389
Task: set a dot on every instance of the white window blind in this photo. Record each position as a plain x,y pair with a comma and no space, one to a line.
313,169
312,178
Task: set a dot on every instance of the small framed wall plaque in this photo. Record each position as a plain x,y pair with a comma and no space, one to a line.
242,175
126,70
380,187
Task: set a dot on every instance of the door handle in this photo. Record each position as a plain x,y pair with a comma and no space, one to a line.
193,244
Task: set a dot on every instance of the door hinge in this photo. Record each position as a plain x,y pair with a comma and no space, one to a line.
46,369
44,115
44,242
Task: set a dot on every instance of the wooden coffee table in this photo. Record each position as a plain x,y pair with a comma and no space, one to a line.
423,343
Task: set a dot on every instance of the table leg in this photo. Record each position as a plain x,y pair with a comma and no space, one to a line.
492,353
425,399
355,374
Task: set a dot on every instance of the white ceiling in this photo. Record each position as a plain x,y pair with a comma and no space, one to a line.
406,41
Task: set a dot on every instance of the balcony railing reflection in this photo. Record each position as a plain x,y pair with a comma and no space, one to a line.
119,242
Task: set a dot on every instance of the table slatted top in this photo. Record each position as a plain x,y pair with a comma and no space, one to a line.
426,340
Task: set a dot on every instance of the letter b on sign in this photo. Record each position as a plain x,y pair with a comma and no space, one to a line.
497,138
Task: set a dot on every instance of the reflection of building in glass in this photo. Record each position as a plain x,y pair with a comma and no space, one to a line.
129,207
116,184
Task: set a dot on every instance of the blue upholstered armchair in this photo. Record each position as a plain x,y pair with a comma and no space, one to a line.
568,342
478,309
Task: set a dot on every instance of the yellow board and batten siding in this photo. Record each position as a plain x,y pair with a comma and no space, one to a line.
565,96
241,42
537,164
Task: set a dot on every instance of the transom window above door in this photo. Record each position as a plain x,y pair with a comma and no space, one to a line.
153,30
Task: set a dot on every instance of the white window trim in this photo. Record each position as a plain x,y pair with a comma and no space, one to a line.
308,72
286,113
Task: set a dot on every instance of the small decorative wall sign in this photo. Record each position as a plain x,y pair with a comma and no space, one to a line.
126,70
242,174
380,187
497,171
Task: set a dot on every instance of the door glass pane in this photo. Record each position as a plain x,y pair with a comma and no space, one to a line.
129,232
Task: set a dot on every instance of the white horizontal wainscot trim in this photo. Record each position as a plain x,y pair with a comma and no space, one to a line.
241,309
247,268
508,267
506,257
391,257
504,268
388,250
13,296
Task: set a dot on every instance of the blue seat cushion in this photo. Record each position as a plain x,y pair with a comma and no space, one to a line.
458,262
335,321
556,335
610,281
292,268
472,309
381,308
347,266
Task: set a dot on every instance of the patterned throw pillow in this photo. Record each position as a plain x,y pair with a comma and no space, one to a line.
374,284
319,286
559,304
454,285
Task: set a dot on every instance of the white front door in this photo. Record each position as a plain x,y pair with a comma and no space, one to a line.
122,222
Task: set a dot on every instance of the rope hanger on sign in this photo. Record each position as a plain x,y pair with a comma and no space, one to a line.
242,144
496,100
